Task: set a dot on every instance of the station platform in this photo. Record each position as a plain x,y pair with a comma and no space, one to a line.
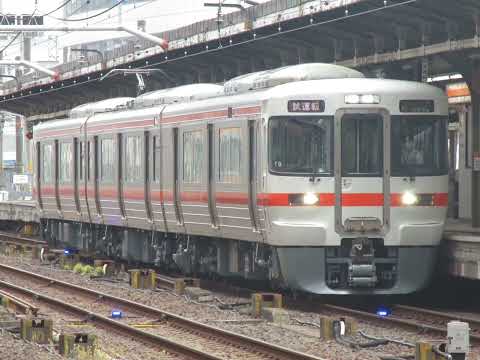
461,248
23,210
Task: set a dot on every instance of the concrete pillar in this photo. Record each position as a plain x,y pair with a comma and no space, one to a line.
338,48
284,58
303,55
19,144
27,47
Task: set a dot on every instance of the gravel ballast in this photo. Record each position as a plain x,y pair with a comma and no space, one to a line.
291,334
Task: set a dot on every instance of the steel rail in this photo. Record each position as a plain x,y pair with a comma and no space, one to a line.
12,302
272,350
20,240
445,315
394,320
128,330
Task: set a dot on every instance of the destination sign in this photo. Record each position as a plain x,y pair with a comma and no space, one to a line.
306,106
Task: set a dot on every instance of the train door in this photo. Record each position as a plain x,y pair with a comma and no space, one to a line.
156,182
362,172
168,182
232,180
66,180
82,171
192,175
56,169
108,203
92,179
38,173
134,177
46,179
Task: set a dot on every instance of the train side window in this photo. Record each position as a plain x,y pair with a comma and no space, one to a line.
107,159
193,156
65,162
47,161
156,157
133,158
229,155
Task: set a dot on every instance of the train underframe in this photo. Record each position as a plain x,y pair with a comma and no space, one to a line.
359,265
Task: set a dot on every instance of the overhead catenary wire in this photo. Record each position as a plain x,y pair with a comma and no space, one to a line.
45,41
58,8
92,16
18,33
241,43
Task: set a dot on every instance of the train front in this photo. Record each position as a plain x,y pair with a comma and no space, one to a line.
356,191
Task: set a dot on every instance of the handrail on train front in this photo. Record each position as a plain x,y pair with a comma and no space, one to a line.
339,225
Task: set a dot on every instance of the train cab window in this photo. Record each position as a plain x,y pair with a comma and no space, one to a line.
362,145
66,162
47,163
107,160
301,145
156,157
229,155
193,154
419,145
133,158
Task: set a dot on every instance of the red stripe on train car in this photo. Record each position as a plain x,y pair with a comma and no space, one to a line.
362,199
195,116
194,196
440,199
66,190
231,198
134,193
247,110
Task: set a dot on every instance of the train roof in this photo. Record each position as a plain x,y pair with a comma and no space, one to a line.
291,81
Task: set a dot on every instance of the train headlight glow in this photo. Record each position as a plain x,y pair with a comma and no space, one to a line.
310,199
362,99
409,198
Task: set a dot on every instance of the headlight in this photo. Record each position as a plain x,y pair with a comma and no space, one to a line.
362,99
310,199
409,198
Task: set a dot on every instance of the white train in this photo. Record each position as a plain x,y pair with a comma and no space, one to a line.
310,175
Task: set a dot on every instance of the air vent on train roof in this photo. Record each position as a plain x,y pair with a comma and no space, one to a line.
184,93
107,105
286,74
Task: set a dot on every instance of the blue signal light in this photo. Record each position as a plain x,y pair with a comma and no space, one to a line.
66,251
116,314
383,311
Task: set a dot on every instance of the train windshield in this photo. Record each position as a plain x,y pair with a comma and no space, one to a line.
301,145
419,146
362,145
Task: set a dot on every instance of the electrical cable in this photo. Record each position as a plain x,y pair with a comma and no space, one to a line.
18,33
58,8
241,43
92,16
42,42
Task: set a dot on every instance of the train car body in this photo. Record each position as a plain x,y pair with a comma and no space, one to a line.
309,175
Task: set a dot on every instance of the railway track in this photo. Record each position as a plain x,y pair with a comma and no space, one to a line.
413,317
15,239
170,331
406,316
